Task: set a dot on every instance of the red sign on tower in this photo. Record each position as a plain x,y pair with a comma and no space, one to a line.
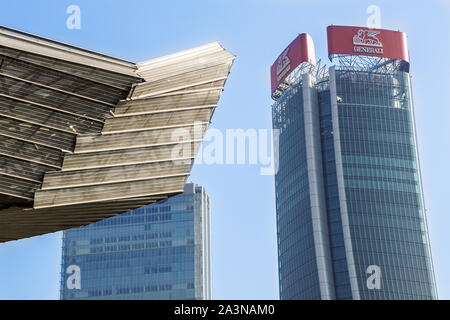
298,51
368,42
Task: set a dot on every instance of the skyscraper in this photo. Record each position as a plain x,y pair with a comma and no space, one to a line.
160,251
351,220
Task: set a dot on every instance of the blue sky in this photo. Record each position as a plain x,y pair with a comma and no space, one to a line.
256,31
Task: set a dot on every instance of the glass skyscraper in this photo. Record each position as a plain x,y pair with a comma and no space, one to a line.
351,220
160,251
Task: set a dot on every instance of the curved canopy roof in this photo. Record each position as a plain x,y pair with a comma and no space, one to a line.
85,136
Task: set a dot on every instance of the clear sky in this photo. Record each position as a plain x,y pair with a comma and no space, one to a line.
256,31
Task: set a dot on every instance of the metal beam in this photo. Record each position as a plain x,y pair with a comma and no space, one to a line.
29,160
50,107
56,89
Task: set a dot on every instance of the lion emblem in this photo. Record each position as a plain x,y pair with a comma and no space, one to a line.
367,38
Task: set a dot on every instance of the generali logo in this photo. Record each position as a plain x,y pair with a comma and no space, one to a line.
366,41
283,64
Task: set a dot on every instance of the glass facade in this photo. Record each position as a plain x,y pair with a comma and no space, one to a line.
371,183
160,251
337,244
296,254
